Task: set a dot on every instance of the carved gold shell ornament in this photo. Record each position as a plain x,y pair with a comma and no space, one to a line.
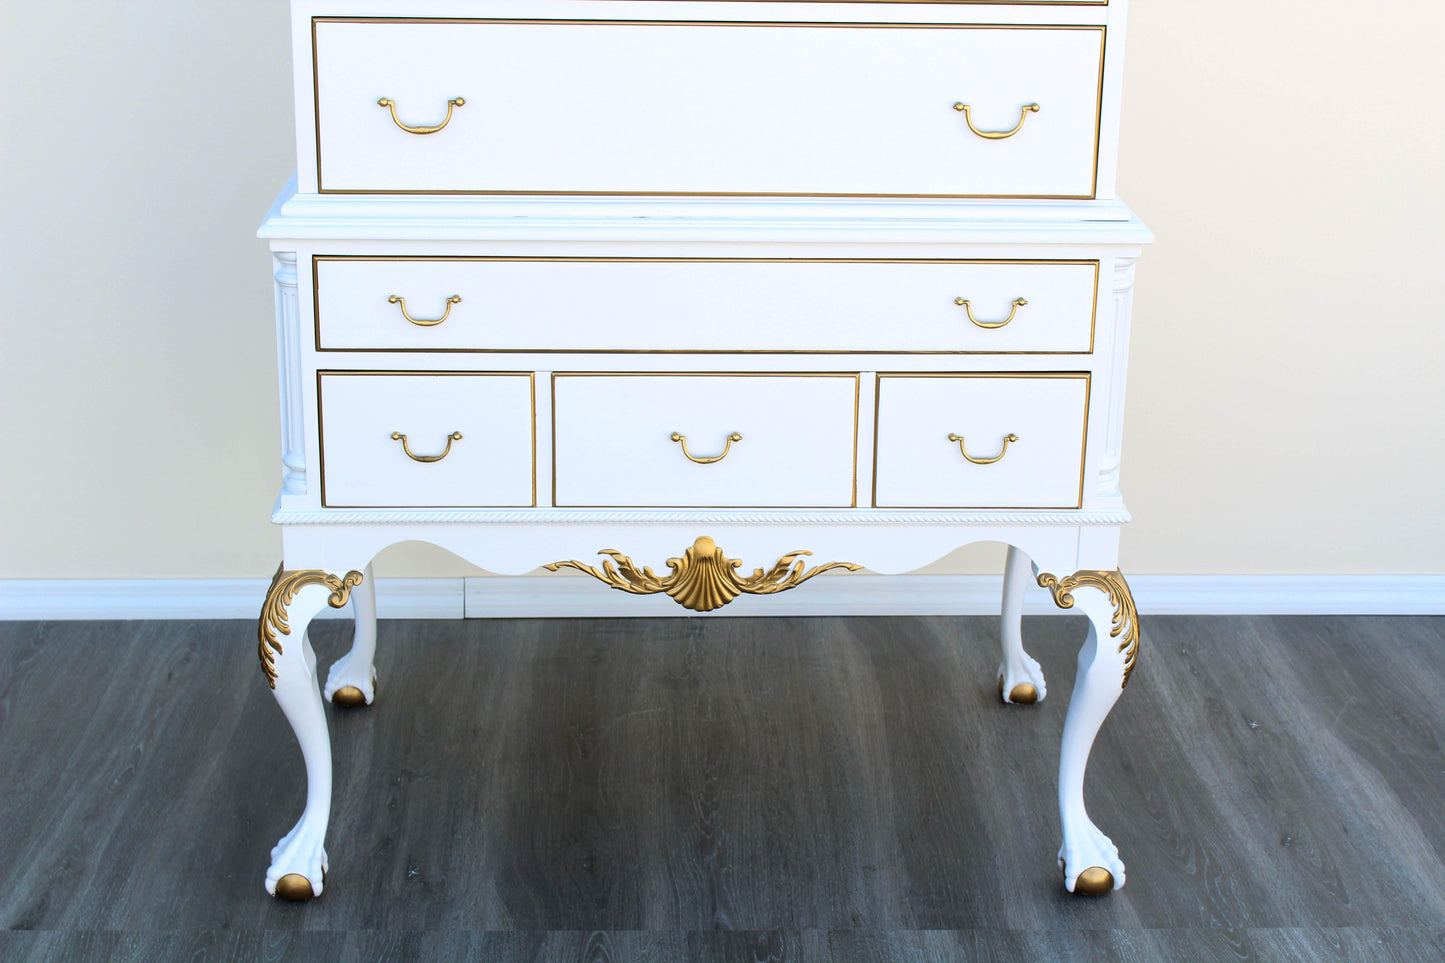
704,578
284,586
1112,584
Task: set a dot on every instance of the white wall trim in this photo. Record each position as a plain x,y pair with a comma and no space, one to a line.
204,598
577,596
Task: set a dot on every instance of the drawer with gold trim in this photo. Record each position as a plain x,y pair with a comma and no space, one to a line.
987,440
704,440
748,106
426,439
704,304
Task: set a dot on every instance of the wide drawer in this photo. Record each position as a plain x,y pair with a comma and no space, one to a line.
981,441
636,107
687,304
426,439
779,441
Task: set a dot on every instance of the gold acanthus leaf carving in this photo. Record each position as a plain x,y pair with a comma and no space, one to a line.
1126,616
284,587
704,578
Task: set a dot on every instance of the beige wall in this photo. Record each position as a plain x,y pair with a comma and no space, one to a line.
1285,398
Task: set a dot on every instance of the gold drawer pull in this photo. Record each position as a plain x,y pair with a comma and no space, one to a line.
398,436
963,303
454,299
452,105
983,461
1024,112
682,440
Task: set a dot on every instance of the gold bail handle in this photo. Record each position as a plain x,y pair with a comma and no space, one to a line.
1024,112
1009,439
452,105
702,459
398,436
425,322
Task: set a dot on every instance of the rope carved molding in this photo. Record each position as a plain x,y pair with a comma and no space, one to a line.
704,578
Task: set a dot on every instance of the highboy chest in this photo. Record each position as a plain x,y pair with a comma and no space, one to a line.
702,299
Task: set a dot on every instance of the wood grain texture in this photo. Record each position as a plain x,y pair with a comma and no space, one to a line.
727,789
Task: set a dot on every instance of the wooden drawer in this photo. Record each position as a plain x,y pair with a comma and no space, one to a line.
637,107
1036,422
653,440
371,420
685,304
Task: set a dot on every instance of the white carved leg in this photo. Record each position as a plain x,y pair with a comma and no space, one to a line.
352,679
298,861
1089,859
1019,677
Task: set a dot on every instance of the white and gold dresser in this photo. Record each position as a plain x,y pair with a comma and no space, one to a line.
734,292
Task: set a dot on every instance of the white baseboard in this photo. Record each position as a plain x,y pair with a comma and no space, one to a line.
578,597
205,598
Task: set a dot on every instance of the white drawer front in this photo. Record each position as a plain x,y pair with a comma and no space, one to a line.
363,465
707,108
614,444
634,304
918,466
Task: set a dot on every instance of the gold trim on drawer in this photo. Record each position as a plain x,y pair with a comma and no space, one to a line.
857,390
316,301
531,377
704,578
1088,378
1098,99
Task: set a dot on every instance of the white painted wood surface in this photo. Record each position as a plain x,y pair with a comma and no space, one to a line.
362,464
745,109
816,335
737,305
788,441
919,467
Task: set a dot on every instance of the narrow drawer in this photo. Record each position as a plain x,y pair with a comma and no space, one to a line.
426,440
981,441
689,304
638,107
661,441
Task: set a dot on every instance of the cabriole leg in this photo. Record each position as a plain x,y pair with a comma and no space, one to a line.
298,861
1019,677
1089,859
352,679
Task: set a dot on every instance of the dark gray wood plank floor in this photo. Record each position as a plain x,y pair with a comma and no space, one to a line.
727,789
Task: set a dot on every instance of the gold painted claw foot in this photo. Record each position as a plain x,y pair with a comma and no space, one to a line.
348,687
1090,862
1021,680
298,865
295,887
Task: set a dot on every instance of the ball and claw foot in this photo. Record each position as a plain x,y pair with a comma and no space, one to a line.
298,866
1022,684
1090,862
345,687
